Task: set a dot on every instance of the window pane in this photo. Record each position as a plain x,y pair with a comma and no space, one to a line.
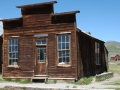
63,45
12,42
41,54
64,60
59,46
60,53
43,41
16,42
9,48
67,38
67,53
16,48
67,45
10,55
63,38
12,48
59,38
67,60
60,60
10,61
16,55
38,41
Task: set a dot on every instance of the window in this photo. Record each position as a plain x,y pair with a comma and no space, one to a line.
41,50
13,51
97,53
63,49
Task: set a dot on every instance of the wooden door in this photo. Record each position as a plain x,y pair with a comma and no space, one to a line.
41,67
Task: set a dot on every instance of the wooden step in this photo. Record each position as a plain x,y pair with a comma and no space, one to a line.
40,75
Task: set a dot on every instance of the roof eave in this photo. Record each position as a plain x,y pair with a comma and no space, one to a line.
65,13
12,19
31,5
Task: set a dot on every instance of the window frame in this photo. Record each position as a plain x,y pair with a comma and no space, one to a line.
13,38
57,51
97,56
41,45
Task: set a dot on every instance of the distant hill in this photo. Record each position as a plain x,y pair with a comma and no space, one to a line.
113,47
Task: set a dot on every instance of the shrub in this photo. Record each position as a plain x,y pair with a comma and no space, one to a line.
84,81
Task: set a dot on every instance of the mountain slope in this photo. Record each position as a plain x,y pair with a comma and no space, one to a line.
113,47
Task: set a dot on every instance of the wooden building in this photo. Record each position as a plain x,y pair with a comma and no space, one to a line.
42,43
1,53
115,57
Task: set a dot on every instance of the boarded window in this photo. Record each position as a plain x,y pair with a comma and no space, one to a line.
13,51
97,53
63,49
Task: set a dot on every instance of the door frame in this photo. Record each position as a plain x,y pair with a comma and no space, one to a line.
35,53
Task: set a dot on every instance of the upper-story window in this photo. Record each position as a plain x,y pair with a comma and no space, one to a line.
97,53
13,51
63,49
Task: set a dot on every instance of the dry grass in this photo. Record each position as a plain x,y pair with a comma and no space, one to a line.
114,67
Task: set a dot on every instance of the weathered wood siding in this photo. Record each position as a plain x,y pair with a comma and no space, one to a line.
40,24
1,53
87,53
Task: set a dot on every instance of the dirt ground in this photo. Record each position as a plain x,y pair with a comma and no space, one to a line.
93,85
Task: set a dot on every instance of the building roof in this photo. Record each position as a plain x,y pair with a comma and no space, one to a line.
11,19
88,33
37,4
64,13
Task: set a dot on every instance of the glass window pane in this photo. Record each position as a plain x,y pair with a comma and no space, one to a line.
67,38
16,55
10,55
10,61
64,60
63,54
9,48
67,45
60,53
67,60
41,54
38,41
59,38
67,53
16,42
59,46
60,60
63,45
16,48
12,42
63,38
43,41
12,48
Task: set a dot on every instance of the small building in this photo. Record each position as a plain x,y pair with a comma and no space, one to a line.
115,57
42,43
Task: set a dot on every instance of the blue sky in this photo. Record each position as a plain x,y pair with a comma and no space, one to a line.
100,17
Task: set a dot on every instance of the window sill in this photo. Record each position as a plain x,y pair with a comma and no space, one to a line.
64,65
13,66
